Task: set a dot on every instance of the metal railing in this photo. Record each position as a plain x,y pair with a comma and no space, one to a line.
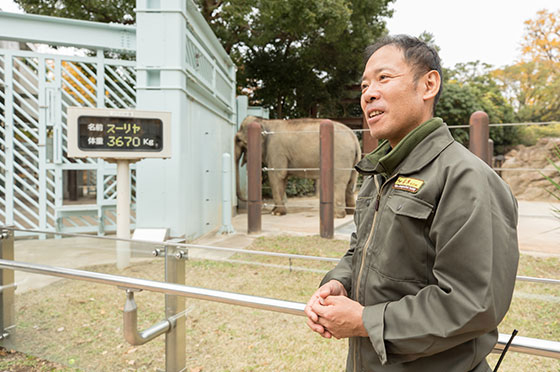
288,256
525,345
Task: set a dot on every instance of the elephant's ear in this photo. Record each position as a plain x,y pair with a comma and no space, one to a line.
239,140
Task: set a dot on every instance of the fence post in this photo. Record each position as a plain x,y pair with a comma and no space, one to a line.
254,181
326,210
369,142
479,132
175,339
227,227
7,287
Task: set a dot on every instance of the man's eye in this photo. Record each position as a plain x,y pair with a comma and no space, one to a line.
364,87
383,77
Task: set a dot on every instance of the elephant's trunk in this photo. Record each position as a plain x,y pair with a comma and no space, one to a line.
239,152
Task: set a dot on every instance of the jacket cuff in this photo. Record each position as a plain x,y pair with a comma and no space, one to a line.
332,276
373,318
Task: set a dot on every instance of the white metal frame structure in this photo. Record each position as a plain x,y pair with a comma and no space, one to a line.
35,91
180,67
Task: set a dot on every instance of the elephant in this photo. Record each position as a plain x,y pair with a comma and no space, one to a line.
295,144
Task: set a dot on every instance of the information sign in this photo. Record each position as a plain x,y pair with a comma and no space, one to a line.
118,134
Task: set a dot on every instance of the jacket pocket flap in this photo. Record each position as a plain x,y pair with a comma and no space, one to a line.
410,207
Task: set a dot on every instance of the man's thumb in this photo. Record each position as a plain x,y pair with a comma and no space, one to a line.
325,292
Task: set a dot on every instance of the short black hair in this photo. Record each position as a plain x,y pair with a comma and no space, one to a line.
421,56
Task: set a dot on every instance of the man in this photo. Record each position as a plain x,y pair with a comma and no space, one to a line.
431,267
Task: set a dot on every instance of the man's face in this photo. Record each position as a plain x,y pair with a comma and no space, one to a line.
392,101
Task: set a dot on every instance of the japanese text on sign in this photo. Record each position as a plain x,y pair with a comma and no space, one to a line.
119,134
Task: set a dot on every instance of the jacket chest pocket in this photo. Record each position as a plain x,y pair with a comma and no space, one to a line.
401,245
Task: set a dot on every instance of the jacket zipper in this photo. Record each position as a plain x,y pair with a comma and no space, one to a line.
376,206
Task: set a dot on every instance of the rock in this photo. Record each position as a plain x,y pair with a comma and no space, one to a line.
530,184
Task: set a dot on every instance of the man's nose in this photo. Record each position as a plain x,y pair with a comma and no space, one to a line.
371,94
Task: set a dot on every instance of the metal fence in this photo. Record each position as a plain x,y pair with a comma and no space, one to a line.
35,91
174,254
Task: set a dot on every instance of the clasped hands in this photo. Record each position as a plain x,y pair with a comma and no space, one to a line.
331,313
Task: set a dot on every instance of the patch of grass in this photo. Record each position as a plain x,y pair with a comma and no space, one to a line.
13,361
81,323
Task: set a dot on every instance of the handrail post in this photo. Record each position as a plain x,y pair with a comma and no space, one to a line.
175,339
254,179
7,308
326,209
479,132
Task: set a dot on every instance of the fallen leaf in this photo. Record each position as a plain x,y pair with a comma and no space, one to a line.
196,369
131,350
60,329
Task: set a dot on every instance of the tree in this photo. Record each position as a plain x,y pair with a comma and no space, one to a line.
532,84
541,41
297,57
470,87
116,11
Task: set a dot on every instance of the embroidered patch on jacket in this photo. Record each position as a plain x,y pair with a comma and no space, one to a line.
408,184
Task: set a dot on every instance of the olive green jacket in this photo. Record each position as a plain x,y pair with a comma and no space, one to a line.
433,259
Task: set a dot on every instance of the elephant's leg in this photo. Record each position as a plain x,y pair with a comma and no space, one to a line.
278,184
350,198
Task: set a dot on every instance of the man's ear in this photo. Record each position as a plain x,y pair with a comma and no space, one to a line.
432,82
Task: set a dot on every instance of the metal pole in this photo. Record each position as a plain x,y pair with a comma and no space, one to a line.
546,348
123,213
479,132
326,209
175,339
7,308
254,166
227,227
263,303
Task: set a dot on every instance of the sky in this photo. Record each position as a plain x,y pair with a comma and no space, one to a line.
485,30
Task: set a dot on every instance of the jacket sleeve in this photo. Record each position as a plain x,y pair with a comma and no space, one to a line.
343,270
474,236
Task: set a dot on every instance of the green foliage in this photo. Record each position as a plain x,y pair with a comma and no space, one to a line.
455,106
532,88
471,87
300,187
117,11
298,57
530,134
295,186
556,186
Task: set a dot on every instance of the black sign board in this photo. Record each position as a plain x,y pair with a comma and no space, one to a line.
126,134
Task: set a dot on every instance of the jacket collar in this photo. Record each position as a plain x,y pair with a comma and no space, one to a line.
415,151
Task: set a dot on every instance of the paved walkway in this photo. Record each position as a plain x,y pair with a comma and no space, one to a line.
539,234
538,228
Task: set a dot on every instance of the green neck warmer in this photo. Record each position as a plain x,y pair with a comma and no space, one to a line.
384,160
